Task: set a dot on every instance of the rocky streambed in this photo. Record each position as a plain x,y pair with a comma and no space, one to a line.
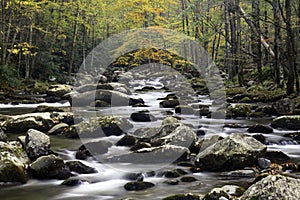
139,139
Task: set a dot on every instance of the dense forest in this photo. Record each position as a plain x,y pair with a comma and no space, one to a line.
254,40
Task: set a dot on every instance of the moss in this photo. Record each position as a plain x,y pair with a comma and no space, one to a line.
231,91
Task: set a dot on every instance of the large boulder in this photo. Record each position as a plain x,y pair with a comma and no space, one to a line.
274,187
13,162
59,90
22,123
103,126
49,167
284,106
291,122
234,152
37,144
111,97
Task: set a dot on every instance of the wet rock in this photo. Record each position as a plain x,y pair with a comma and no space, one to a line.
267,109
277,156
263,163
58,129
245,100
188,179
111,97
259,128
170,120
37,144
216,194
127,140
170,103
165,154
284,106
234,152
172,182
140,145
175,173
291,122
240,110
103,126
70,132
146,88
145,134
45,108
260,137
137,186
233,190
13,162
22,123
59,90
49,167
74,181
208,141
3,136
274,187
134,176
79,167
246,173
184,110
93,149
184,197
142,116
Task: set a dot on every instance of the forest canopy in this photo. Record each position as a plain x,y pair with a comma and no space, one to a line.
51,38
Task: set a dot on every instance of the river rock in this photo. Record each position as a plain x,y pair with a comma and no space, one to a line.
274,187
127,140
103,126
58,129
113,98
169,103
277,156
259,128
233,190
216,193
263,163
142,116
137,186
234,152
22,123
291,122
37,144
3,136
94,149
49,167
244,173
240,110
75,181
59,90
45,108
184,110
284,106
208,141
13,162
175,173
188,179
79,167
188,196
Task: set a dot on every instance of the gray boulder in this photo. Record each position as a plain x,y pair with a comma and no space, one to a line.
234,152
13,162
22,123
284,106
291,122
37,144
49,167
274,187
59,90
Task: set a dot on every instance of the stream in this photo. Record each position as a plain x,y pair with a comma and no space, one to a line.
109,181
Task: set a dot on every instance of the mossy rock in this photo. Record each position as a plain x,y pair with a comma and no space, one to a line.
240,110
137,186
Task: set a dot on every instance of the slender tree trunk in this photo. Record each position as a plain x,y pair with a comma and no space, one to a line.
238,48
277,39
227,38
290,49
2,31
75,33
27,67
256,40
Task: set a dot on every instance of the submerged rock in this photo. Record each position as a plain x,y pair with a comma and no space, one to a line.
37,144
136,186
234,152
142,116
258,128
13,162
291,122
274,187
79,167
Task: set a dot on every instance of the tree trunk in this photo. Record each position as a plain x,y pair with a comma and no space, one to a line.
74,41
290,50
277,39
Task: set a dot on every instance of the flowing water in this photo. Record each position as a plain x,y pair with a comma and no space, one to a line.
109,182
